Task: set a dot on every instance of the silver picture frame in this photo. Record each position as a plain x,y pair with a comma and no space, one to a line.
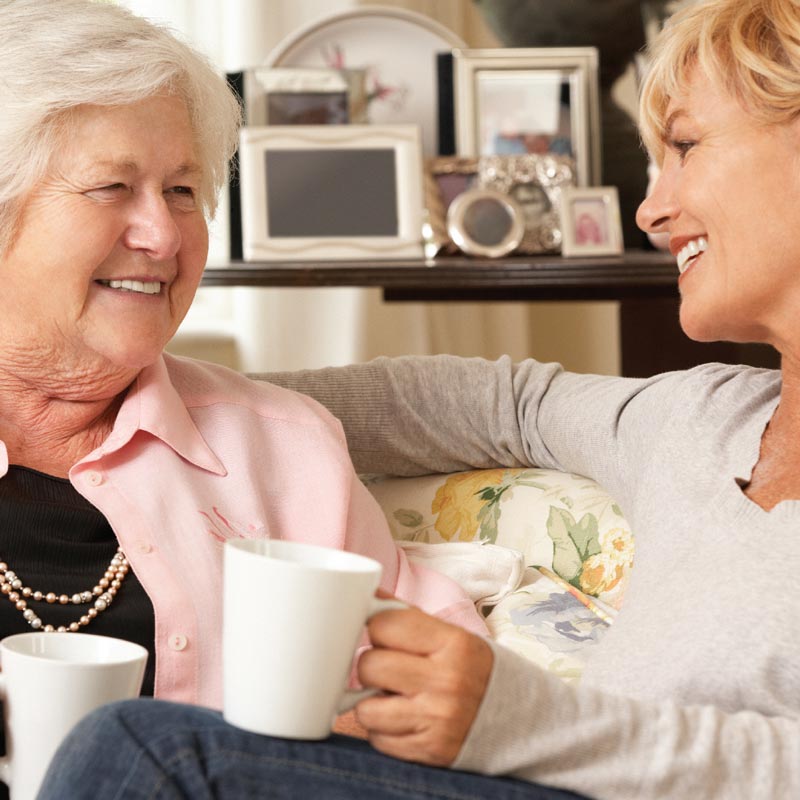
485,222
590,222
331,192
536,183
515,101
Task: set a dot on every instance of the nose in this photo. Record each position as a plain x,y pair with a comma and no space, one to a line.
152,227
660,208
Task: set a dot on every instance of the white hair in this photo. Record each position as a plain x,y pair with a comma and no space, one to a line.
56,55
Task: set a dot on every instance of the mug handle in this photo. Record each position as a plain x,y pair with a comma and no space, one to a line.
5,764
352,697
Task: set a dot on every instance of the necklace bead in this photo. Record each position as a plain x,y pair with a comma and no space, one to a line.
101,596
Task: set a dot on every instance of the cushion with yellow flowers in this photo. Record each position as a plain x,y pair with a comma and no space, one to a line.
565,524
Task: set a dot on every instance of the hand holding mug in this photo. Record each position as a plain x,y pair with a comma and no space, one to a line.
435,675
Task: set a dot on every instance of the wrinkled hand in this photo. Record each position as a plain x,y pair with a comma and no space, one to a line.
436,675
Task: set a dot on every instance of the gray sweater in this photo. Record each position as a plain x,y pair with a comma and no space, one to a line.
693,693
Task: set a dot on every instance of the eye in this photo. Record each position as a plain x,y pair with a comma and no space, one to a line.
182,196
107,192
682,147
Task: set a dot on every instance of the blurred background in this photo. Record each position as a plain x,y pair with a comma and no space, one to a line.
256,329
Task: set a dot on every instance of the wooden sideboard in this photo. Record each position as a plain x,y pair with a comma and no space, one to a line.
645,283
458,278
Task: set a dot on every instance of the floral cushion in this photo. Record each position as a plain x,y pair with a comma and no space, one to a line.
574,541
563,522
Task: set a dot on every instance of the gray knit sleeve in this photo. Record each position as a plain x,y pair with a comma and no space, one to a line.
415,415
534,726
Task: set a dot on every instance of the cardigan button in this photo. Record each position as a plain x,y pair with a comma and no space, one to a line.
178,642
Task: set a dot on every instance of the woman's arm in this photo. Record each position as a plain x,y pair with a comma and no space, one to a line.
454,702
415,415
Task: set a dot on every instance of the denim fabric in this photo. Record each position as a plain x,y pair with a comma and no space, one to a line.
146,749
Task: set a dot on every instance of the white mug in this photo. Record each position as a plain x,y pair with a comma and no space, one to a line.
49,682
293,615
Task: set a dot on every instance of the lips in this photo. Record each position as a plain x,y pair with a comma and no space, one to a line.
689,252
142,287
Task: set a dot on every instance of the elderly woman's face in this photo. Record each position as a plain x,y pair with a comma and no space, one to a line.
112,242
729,198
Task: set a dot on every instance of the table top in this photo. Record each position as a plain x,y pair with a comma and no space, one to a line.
635,273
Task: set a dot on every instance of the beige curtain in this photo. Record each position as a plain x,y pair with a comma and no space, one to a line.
266,329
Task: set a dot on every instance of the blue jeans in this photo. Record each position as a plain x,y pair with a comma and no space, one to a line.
145,748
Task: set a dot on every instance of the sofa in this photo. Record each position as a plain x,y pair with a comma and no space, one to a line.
545,555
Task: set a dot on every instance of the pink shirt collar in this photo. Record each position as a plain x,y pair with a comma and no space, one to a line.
152,405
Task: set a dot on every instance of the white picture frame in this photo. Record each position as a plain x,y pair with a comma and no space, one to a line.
331,192
590,221
510,101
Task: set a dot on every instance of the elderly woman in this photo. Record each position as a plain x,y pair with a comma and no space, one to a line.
693,692
123,470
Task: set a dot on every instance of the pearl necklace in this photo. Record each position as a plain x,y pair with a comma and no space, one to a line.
103,594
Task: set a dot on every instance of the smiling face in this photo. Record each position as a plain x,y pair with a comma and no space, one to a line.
728,196
109,251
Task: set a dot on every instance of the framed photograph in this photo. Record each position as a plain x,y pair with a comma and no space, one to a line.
331,192
446,177
517,101
304,96
590,222
485,222
536,183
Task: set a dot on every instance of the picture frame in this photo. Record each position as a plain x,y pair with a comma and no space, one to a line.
304,96
536,183
590,221
513,101
485,222
328,192
446,177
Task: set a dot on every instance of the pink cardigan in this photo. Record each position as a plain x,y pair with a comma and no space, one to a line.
200,454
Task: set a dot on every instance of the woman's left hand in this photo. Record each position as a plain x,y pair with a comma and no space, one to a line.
435,675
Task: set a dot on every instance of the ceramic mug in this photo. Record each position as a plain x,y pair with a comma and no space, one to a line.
48,683
293,615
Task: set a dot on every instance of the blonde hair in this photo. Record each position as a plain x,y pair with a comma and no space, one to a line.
750,48
61,54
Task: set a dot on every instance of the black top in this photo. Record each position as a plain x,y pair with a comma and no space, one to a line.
57,541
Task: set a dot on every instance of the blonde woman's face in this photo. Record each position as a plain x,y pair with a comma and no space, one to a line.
728,198
111,244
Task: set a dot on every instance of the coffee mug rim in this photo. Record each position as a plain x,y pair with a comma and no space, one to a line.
357,563
135,651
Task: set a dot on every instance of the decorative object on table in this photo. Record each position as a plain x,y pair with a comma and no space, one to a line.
297,96
397,48
529,100
304,96
445,178
590,221
485,222
331,192
617,29
536,183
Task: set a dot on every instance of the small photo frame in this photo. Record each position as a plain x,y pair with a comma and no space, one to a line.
518,101
590,222
304,96
331,192
536,183
485,222
446,177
